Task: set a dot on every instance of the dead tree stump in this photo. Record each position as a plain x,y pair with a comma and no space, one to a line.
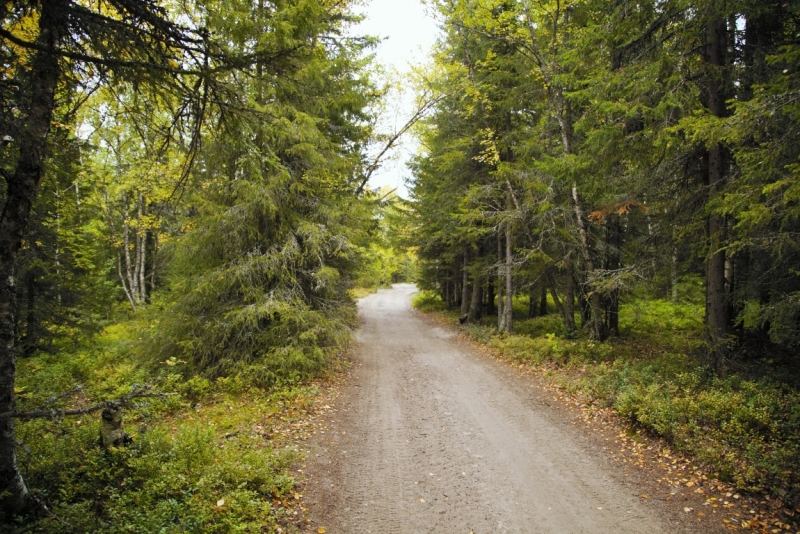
111,432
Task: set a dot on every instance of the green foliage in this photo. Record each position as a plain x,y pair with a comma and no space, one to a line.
746,430
427,301
214,229
170,481
676,325
276,313
386,258
179,466
539,326
258,273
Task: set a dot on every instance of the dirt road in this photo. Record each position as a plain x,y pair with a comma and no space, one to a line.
432,437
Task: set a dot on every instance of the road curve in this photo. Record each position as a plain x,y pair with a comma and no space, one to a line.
432,437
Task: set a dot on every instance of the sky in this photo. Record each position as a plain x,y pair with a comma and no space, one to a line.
409,35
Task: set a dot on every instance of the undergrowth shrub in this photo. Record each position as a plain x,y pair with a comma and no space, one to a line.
184,459
525,349
748,431
427,301
550,348
539,326
189,480
678,325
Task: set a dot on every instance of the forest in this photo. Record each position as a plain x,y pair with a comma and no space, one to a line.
609,190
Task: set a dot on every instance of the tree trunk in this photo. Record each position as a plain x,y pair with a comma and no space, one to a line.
584,308
477,296
490,297
569,320
22,188
614,263
716,302
112,226
126,244
465,284
501,305
596,326
532,304
124,282
508,311
111,432
569,298
152,243
543,299
141,249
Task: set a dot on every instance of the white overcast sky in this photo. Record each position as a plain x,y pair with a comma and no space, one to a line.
409,35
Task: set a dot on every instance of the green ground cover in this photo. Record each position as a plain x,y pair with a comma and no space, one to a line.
210,456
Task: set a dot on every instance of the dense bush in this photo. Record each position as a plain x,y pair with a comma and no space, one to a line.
184,480
195,463
427,301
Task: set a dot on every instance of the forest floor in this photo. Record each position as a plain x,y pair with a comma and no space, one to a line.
427,432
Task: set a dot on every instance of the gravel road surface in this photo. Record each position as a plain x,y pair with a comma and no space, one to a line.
433,437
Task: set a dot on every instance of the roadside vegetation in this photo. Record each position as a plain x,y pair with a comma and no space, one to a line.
211,456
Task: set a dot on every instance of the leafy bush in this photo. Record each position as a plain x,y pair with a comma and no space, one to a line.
427,301
677,325
749,431
180,465
185,480
539,326
522,348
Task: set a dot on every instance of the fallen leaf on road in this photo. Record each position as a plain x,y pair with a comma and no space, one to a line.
687,509
321,530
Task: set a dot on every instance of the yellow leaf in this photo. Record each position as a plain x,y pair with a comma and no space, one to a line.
321,530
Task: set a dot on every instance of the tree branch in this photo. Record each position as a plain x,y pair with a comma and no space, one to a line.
230,63
376,162
138,392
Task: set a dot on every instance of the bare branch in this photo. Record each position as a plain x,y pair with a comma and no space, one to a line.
376,162
138,392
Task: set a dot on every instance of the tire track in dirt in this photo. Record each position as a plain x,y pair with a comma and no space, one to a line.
431,437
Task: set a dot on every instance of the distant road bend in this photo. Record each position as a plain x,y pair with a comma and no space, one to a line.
432,437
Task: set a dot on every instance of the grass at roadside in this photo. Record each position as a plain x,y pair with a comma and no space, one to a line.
745,430
212,456
361,292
